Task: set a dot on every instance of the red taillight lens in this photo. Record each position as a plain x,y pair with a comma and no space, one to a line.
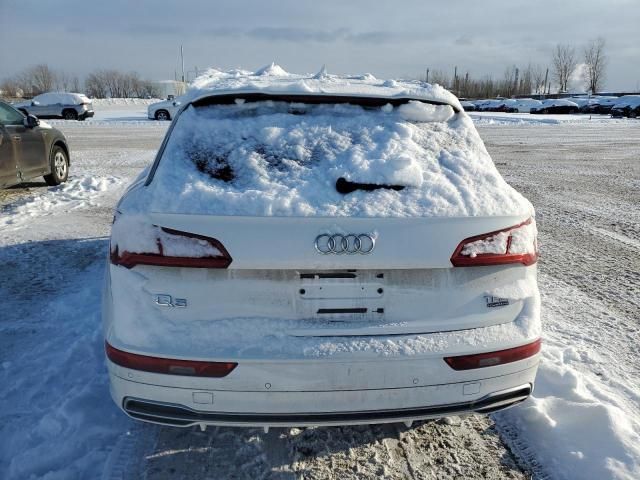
490,359
517,244
176,249
168,366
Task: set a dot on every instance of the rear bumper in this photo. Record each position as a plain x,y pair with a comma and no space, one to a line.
183,407
181,416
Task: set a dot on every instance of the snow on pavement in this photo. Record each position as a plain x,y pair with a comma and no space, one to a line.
583,420
503,118
583,417
58,420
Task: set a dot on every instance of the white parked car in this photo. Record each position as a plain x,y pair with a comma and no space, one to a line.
164,110
524,105
320,251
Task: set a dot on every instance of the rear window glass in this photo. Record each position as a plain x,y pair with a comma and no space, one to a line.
273,158
245,141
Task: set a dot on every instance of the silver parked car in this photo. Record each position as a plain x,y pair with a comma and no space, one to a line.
69,106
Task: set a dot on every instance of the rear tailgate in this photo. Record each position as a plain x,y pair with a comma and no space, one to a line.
289,242
406,285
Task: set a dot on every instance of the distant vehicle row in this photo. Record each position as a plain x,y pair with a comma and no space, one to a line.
625,106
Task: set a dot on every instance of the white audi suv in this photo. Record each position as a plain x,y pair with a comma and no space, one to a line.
320,250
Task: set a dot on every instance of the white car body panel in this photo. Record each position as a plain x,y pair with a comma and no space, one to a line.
171,106
282,312
267,408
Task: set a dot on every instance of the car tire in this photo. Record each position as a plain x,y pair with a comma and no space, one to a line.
59,162
69,114
162,115
633,114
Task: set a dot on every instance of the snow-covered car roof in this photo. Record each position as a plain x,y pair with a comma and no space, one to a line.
559,102
274,80
63,98
528,101
627,100
595,100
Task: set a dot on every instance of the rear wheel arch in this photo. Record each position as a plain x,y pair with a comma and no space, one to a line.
161,113
69,114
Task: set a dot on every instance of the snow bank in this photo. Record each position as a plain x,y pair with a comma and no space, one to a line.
573,426
107,102
276,159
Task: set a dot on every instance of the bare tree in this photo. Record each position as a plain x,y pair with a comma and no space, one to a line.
595,62
564,63
439,77
66,82
525,84
537,78
41,78
12,87
117,84
506,87
95,85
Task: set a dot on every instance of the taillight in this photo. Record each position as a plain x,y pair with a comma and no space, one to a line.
168,366
517,244
491,359
170,248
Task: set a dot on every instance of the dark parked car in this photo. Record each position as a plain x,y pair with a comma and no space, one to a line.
556,106
598,107
70,106
631,111
468,106
627,106
29,149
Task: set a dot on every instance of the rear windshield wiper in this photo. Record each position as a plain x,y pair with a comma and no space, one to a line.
344,186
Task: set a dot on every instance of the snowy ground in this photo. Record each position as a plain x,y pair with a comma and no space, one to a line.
58,421
499,118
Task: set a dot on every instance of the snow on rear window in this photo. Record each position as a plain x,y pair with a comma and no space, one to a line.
284,159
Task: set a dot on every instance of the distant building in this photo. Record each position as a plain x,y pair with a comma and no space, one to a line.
169,87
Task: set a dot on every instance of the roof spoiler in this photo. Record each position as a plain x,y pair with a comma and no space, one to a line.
312,99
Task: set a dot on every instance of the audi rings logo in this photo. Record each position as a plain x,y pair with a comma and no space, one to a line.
350,244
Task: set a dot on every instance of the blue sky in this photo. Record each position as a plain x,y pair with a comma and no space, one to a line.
388,39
